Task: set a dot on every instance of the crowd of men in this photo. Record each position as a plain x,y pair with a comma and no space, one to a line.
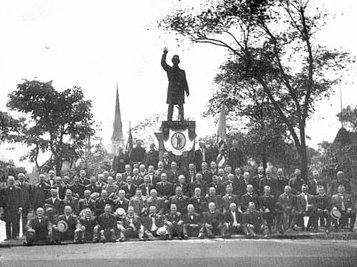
164,201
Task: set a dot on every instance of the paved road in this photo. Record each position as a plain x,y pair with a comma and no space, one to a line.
217,252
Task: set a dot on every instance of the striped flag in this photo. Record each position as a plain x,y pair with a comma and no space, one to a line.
222,158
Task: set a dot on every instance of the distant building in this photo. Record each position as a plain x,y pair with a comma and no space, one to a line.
117,137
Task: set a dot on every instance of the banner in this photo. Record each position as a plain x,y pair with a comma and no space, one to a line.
178,142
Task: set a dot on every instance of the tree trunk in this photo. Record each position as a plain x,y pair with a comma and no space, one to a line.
58,166
302,149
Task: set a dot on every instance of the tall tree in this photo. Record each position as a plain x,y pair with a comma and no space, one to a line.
57,122
273,43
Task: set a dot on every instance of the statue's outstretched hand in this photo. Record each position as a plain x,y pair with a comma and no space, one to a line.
166,50
187,93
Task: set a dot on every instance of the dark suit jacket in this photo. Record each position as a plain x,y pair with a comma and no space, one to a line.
228,200
78,190
26,194
93,188
219,188
267,202
246,198
124,204
72,221
270,182
190,176
196,218
313,186
73,202
173,177
181,203
58,205
198,158
129,190
217,199
107,222
100,204
41,228
137,180
236,158
347,200
228,217
200,204
215,219
41,192
186,188
323,202
157,202
253,217
143,188
60,189
12,199
202,185
166,190
287,200
86,203
147,221
173,218
301,202
207,176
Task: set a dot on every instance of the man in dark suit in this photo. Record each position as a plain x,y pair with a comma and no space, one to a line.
136,178
248,197
191,222
152,156
164,188
39,228
72,232
154,200
241,184
191,173
306,207
215,198
107,226
268,180
70,200
341,180
253,222
59,186
199,183
255,180
177,85
186,187
119,161
236,157
152,223
93,187
26,202
213,167
41,192
345,204
101,202
55,204
11,208
173,173
232,182
287,210
138,153
315,182
146,186
165,164
296,182
267,207
87,202
180,200
154,179
77,188
129,188
229,198
212,223
127,172
233,220
131,226
281,182
217,185
323,208
199,201
206,173
121,201
174,222
200,155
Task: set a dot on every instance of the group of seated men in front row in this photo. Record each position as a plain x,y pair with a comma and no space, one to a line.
166,210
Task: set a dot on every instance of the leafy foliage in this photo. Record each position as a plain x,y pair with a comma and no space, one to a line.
348,116
272,44
8,125
58,123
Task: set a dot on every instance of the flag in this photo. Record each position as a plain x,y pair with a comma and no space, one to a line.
222,158
221,131
129,144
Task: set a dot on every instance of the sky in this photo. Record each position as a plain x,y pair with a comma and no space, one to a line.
99,44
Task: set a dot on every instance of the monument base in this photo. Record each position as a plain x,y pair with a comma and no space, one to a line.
178,139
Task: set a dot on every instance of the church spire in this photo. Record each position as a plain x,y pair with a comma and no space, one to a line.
117,137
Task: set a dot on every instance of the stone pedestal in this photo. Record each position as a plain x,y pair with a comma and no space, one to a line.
183,133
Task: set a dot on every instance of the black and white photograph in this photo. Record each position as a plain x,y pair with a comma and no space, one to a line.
178,133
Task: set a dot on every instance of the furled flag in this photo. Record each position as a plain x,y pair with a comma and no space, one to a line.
129,144
222,158
221,131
